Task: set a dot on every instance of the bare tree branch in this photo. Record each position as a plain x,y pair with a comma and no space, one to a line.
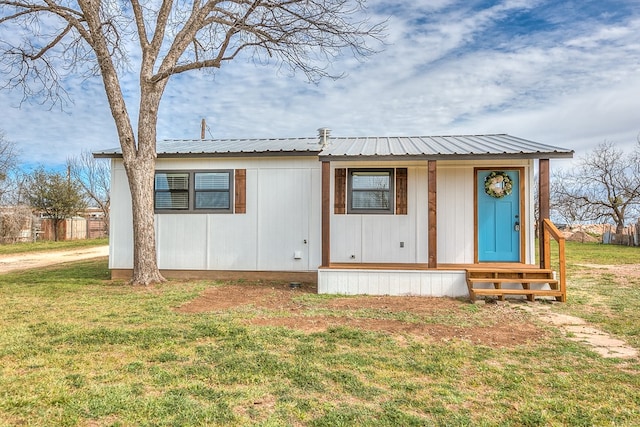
55,40
605,185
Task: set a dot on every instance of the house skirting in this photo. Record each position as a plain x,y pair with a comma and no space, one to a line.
288,276
375,281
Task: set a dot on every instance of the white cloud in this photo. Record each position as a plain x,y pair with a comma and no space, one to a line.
520,67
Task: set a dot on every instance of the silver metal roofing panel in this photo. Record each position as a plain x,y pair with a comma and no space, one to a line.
222,147
439,147
354,148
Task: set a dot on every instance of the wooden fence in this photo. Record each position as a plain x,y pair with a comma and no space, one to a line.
73,229
629,237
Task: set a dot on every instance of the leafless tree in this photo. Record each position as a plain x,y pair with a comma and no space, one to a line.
8,161
15,223
604,185
52,39
94,178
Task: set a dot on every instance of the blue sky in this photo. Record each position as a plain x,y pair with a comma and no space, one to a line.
565,73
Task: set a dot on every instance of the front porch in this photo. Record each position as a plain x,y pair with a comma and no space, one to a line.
455,280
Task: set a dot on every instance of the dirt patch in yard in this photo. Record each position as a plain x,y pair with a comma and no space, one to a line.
433,319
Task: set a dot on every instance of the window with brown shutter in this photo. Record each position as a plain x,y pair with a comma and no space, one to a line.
401,191
241,191
202,191
339,202
370,191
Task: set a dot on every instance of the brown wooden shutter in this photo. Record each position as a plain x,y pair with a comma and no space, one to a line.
340,191
401,191
241,191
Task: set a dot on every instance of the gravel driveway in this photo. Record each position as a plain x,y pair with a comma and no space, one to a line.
31,260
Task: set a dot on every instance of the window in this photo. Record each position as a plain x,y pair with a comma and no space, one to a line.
198,191
370,191
172,191
212,190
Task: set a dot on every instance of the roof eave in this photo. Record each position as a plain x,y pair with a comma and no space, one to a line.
190,155
466,156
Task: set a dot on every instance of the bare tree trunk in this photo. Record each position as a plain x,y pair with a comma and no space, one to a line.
140,170
141,179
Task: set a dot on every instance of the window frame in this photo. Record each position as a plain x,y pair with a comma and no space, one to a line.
170,191
191,192
390,191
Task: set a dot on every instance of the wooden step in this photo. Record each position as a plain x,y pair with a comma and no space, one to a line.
509,280
525,277
536,292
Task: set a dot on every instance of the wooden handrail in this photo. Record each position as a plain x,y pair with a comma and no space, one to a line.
550,230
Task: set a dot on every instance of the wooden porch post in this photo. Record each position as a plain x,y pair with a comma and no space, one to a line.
432,215
326,214
543,205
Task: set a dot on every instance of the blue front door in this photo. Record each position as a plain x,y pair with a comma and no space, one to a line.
499,221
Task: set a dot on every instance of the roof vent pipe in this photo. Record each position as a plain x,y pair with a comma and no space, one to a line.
324,134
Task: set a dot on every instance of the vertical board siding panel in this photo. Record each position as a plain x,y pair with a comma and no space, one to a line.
425,286
346,238
232,239
352,283
375,282
322,282
340,191
415,284
341,283
381,237
394,285
455,219
284,203
315,220
401,191
363,283
120,219
240,191
436,284
385,285
181,241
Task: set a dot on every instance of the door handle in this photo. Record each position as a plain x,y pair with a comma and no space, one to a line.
516,226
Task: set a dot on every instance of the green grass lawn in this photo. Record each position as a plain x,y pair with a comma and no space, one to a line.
78,349
45,245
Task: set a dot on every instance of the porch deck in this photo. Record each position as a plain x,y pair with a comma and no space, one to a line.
452,280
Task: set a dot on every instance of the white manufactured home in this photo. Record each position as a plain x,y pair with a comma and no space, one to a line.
436,216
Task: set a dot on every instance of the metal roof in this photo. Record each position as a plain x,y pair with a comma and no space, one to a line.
439,148
228,147
362,148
